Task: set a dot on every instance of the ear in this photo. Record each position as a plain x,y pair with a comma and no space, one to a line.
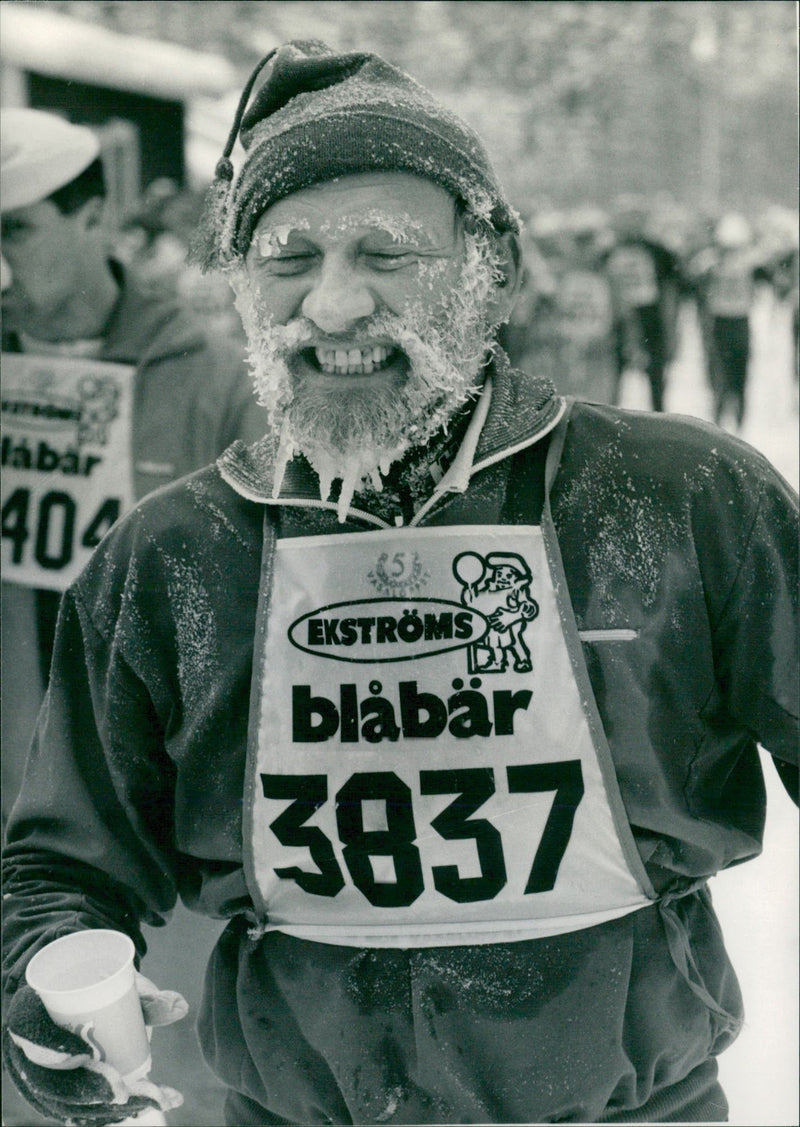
504,296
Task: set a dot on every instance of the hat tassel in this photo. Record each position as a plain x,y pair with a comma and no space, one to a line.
205,249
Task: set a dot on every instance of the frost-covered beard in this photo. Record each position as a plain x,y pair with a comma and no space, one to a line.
356,434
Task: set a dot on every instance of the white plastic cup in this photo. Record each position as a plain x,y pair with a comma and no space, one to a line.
86,981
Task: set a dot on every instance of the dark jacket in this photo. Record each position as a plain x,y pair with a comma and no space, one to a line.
666,525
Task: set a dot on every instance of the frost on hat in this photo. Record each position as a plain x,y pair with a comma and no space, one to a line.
319,115
39,153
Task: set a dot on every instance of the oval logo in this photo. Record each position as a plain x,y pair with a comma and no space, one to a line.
381,630
41,412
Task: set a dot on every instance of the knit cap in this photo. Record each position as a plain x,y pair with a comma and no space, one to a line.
320,115
40,152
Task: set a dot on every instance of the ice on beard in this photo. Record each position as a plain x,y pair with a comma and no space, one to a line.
446,353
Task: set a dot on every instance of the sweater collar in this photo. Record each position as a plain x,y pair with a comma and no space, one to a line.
513,411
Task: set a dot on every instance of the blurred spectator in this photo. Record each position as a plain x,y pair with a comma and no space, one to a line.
646,282
529,338
585,311
156,243
779,237
159,252
109,392
723,277
562,326
783,272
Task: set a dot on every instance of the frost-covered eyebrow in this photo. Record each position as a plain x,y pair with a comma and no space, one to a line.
280,233
399,228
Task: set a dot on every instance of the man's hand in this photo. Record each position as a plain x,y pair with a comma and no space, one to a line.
59,1072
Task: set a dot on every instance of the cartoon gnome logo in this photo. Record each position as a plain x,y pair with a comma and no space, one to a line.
497,585
99,406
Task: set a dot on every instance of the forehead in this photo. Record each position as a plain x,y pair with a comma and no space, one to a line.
393,200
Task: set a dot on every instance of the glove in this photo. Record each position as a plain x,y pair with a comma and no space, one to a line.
60,1074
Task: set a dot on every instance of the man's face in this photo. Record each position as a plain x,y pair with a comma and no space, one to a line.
43,248
365,306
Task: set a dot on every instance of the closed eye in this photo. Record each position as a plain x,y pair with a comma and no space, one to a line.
389,260
288,264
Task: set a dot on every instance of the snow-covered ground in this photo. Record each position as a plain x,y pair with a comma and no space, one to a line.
757,902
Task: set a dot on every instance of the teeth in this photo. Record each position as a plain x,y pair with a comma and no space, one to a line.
353,361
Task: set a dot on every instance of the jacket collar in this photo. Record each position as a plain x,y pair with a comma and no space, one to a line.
514,410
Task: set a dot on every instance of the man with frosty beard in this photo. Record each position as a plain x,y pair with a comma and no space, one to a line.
455,895
355,376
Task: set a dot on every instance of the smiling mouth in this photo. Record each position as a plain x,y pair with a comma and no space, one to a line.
365,361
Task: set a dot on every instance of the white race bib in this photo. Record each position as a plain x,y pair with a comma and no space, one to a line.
584,301
67,463
633,275
730,292
423,768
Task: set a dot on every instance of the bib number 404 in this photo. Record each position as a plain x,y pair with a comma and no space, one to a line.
471,786
52,526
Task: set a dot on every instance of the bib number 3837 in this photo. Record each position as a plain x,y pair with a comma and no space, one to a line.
359,847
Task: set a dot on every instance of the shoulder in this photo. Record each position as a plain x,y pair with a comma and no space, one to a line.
195,506
674,457
646,503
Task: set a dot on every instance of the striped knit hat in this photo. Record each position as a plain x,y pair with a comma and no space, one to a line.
320,115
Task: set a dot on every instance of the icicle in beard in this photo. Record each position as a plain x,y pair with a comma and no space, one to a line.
356,435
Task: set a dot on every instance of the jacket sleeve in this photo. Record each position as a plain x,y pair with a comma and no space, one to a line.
754,614
89,842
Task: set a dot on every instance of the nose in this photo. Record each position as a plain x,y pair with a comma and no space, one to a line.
338,298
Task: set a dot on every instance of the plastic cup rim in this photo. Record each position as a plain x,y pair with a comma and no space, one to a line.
60,993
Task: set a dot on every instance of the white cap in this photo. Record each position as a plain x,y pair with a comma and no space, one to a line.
39,153
733,230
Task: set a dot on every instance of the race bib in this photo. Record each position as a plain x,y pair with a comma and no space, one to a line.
584,301
424,770
731,289
633,275
67,464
